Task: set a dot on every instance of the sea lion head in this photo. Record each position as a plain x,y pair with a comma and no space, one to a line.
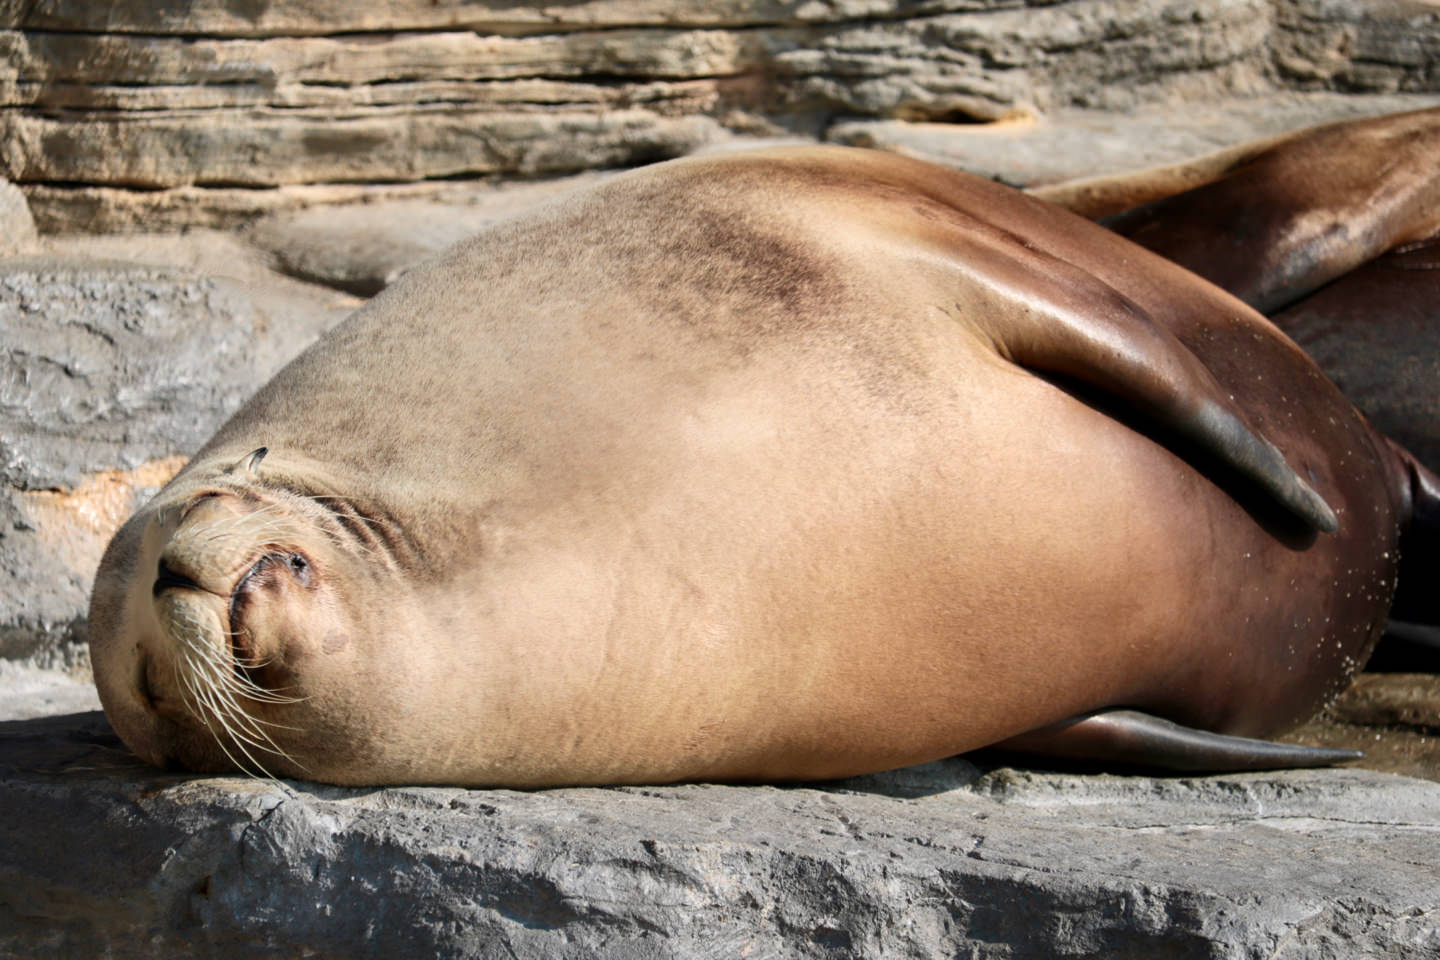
225,621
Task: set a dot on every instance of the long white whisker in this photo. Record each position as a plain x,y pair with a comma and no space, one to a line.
212,689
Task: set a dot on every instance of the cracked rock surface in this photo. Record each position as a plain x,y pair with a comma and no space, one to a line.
101,856
122,356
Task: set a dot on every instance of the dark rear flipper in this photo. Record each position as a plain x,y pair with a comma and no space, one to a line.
1411,643
1131,739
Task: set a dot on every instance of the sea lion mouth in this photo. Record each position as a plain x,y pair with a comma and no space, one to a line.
207,677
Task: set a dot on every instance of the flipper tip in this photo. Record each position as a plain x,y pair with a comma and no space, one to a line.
1263,462
1315,510
1132,739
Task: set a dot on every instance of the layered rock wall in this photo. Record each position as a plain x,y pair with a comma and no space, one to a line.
127,116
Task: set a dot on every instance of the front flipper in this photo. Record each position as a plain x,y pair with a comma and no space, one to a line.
1129,738
1083,330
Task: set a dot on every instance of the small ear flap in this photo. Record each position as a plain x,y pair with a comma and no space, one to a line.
250,462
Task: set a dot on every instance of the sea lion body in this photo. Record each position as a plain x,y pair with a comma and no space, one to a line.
727,469
1376,333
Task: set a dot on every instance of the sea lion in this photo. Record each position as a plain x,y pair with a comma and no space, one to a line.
1275,220
774,465
1376,333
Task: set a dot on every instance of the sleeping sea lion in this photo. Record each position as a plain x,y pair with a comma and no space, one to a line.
775,465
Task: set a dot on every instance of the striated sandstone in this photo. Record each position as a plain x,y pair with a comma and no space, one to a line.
112,210
223,18
275,148
149,111
1373,47
115,112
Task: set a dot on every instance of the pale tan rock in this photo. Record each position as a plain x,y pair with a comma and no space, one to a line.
290,313
17,225
112,210
1381,46
50,58
891,64
363,247
991,65
324,109
227,18
175,148
1071,144
112,114
669,98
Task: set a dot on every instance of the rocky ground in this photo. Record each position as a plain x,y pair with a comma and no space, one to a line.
164,285
100,856
143,116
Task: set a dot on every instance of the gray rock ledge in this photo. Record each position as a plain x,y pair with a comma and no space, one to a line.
100,856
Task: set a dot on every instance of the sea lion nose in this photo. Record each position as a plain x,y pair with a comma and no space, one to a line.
207,548
167,577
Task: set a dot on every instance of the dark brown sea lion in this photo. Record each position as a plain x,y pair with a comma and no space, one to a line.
1273,221
768,466
1376,332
